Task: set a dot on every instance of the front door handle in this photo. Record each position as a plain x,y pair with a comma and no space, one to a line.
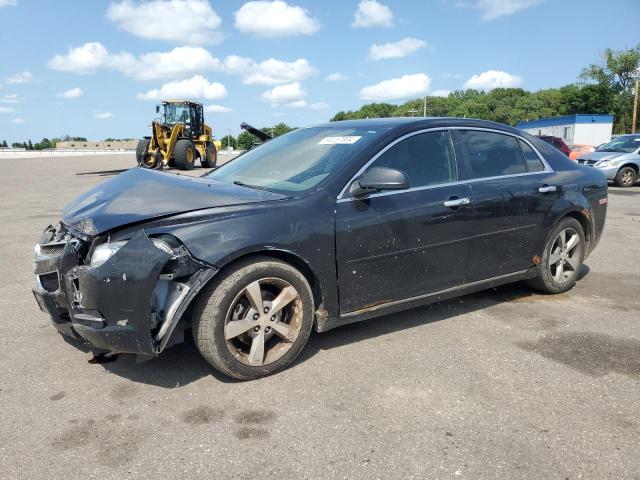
547,188
457,202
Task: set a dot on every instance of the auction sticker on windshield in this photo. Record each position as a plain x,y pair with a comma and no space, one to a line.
348,140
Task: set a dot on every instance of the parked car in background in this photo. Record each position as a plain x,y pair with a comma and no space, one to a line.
557,142
317,228
579,151
619,159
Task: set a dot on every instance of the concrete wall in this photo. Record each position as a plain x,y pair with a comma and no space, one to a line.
98,145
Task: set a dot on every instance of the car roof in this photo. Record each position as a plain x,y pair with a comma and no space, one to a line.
414,123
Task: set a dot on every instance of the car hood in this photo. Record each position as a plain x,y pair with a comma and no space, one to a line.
601,155
139,194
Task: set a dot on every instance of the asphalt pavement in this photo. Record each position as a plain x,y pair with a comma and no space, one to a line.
504,383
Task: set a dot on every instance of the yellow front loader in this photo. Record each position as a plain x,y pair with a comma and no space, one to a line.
178,138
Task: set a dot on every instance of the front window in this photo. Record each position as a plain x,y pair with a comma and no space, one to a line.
626,144
493,154
297,161
176,113
426,159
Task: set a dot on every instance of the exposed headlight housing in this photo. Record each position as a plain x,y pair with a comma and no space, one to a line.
104,252
166,243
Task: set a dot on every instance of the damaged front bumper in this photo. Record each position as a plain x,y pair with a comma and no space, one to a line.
129,304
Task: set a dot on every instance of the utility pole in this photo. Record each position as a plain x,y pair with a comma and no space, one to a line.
424,112
635,108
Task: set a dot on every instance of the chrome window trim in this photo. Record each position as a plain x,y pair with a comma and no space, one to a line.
343,198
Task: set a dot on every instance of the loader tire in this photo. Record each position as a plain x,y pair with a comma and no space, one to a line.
141,149
211,158
185,154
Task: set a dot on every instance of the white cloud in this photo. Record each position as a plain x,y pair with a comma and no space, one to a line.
193,88
93,56
397,88
73,93
297,104
102,115
18,121
440,93
191,22
13,98
8,3
336,77
217,109
22,77
371,13
181,61
399,49
6,110
290,94
274,19
491,9
84,59
268,72
318,106
493,79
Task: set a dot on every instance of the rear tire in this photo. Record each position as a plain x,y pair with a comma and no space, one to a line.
626,177
211,158
562,258
184,154
141,149
233,328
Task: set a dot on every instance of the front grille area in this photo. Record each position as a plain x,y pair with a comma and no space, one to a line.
47,257
52,249
45,265
589,163
50,281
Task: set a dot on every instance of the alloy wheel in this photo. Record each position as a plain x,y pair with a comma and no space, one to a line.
263,321
626,178
565,256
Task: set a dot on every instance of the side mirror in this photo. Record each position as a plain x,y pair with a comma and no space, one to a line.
157,108
379,179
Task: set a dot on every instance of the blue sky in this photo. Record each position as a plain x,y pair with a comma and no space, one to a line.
96,68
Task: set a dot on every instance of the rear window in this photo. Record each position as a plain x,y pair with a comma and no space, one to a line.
492,154
534,164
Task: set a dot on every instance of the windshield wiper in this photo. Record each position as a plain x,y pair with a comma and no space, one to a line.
610,150
242,184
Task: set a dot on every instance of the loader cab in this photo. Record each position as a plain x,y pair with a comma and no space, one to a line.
189,114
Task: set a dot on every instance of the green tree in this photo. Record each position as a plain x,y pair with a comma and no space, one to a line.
4,144
279,129
29,145
246,141
228,140
43,144
615,75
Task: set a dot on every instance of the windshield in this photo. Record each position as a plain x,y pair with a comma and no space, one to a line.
627,144
176,113
297,161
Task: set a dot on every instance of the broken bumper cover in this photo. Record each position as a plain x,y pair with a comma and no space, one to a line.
115,306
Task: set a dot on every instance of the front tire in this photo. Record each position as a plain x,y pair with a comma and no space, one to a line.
184,154
562,258
625,177
255,319
211,157
141,149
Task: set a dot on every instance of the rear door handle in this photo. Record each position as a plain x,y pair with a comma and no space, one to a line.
547,188
457,202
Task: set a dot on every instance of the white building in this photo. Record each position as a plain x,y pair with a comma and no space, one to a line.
579,129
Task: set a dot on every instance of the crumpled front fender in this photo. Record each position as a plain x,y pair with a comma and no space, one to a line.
120,290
